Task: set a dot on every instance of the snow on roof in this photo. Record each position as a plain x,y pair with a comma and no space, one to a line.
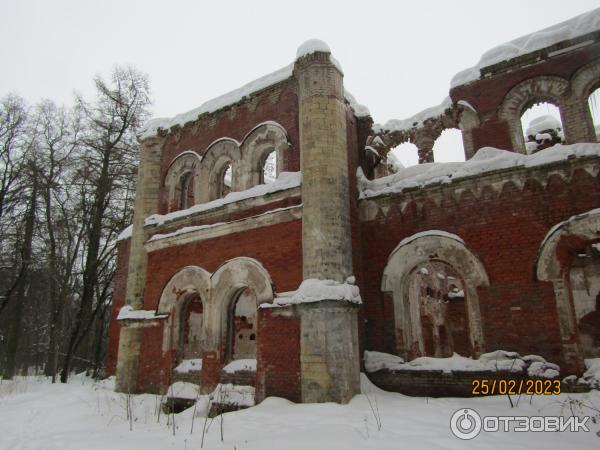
359,110
125,234
241,364
543,123
152,127
415,121
128,313
312,46
570,29
314,290
487,159
499,360
285,180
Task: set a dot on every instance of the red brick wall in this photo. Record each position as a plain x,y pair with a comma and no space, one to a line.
278,354
278,103
486,95
505,229
156,367
119,291
277,247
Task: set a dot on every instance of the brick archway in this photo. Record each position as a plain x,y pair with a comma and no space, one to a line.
186,283
538,89
258,144
553,264
425,247
215,160
186,164
227,282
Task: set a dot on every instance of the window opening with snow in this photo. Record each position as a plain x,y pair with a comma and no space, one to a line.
542,127
449,147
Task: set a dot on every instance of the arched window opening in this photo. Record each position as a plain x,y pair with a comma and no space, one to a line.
449,147
190,328
542,127
437,311
594,105
269,168
226,180
186,191
404,155
242,326
584,278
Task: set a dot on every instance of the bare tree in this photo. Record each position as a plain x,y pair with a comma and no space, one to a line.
109,151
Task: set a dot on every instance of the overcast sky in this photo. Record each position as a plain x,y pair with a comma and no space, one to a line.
398,57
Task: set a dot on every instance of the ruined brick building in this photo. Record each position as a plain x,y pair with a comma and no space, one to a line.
497,252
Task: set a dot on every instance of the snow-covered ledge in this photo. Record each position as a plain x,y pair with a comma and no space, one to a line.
314,290
197,233
285,181
486,160
139,317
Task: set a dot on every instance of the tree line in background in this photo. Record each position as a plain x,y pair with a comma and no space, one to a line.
67,185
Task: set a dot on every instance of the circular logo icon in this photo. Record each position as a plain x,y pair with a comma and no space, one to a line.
465,423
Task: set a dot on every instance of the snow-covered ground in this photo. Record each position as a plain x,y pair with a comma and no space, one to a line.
35,414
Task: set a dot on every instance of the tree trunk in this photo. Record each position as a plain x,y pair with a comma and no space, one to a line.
14,332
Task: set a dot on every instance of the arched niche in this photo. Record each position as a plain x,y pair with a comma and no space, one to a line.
261,141
189,285
183,179
219,155
230,281
564,244
413,253
540,89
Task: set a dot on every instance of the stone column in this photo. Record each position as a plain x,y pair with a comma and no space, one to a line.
146,203
329,333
